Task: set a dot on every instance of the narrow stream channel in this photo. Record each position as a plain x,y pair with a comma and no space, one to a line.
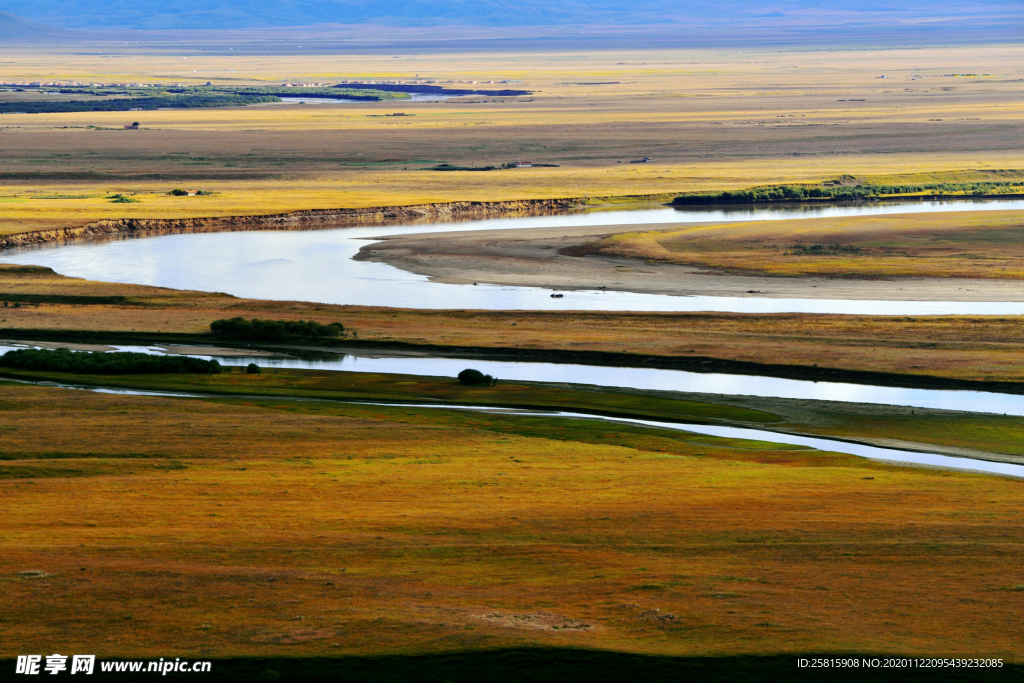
821,444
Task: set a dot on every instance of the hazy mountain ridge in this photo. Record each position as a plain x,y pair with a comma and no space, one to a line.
213,14
16,28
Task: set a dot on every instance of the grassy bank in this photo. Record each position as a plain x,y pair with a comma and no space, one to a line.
975,434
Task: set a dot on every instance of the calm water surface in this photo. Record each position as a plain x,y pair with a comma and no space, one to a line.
631,378
317,265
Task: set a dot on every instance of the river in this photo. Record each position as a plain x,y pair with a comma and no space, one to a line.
655,379
317,265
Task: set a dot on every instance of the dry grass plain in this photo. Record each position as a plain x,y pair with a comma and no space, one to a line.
711,119
221,528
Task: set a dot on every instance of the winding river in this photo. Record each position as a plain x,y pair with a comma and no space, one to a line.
317,265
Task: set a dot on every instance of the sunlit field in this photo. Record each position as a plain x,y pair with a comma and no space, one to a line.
709,120
225,528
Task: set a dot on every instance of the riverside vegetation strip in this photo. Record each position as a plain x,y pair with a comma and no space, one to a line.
931,351
985,436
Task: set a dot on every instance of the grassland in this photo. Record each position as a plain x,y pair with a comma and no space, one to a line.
234,527
961,245
986,436
712,120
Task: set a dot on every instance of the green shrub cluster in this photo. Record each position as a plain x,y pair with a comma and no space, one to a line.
452,167
116,363
788,193
272,330
475,378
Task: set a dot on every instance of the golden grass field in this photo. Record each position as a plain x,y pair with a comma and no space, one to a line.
979,348
711,120
220,528
962,245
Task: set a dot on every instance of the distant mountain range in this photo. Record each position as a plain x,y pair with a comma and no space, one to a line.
219,14
16,28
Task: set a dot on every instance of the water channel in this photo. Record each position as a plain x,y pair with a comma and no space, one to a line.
822,444
652,379
317,265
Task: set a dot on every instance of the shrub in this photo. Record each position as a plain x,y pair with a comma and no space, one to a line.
117,363
272,330
252,369
474,378
786,193
178,192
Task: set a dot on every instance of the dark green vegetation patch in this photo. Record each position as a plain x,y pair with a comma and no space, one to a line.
272,330
131,98
117,363
789,193
475,378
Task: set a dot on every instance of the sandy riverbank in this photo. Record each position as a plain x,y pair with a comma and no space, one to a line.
532,258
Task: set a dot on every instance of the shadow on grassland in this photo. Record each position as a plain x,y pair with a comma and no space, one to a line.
537,665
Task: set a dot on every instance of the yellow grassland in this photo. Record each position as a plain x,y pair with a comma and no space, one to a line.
227,528
710,119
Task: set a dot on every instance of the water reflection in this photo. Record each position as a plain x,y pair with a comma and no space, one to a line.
318,266
620,377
